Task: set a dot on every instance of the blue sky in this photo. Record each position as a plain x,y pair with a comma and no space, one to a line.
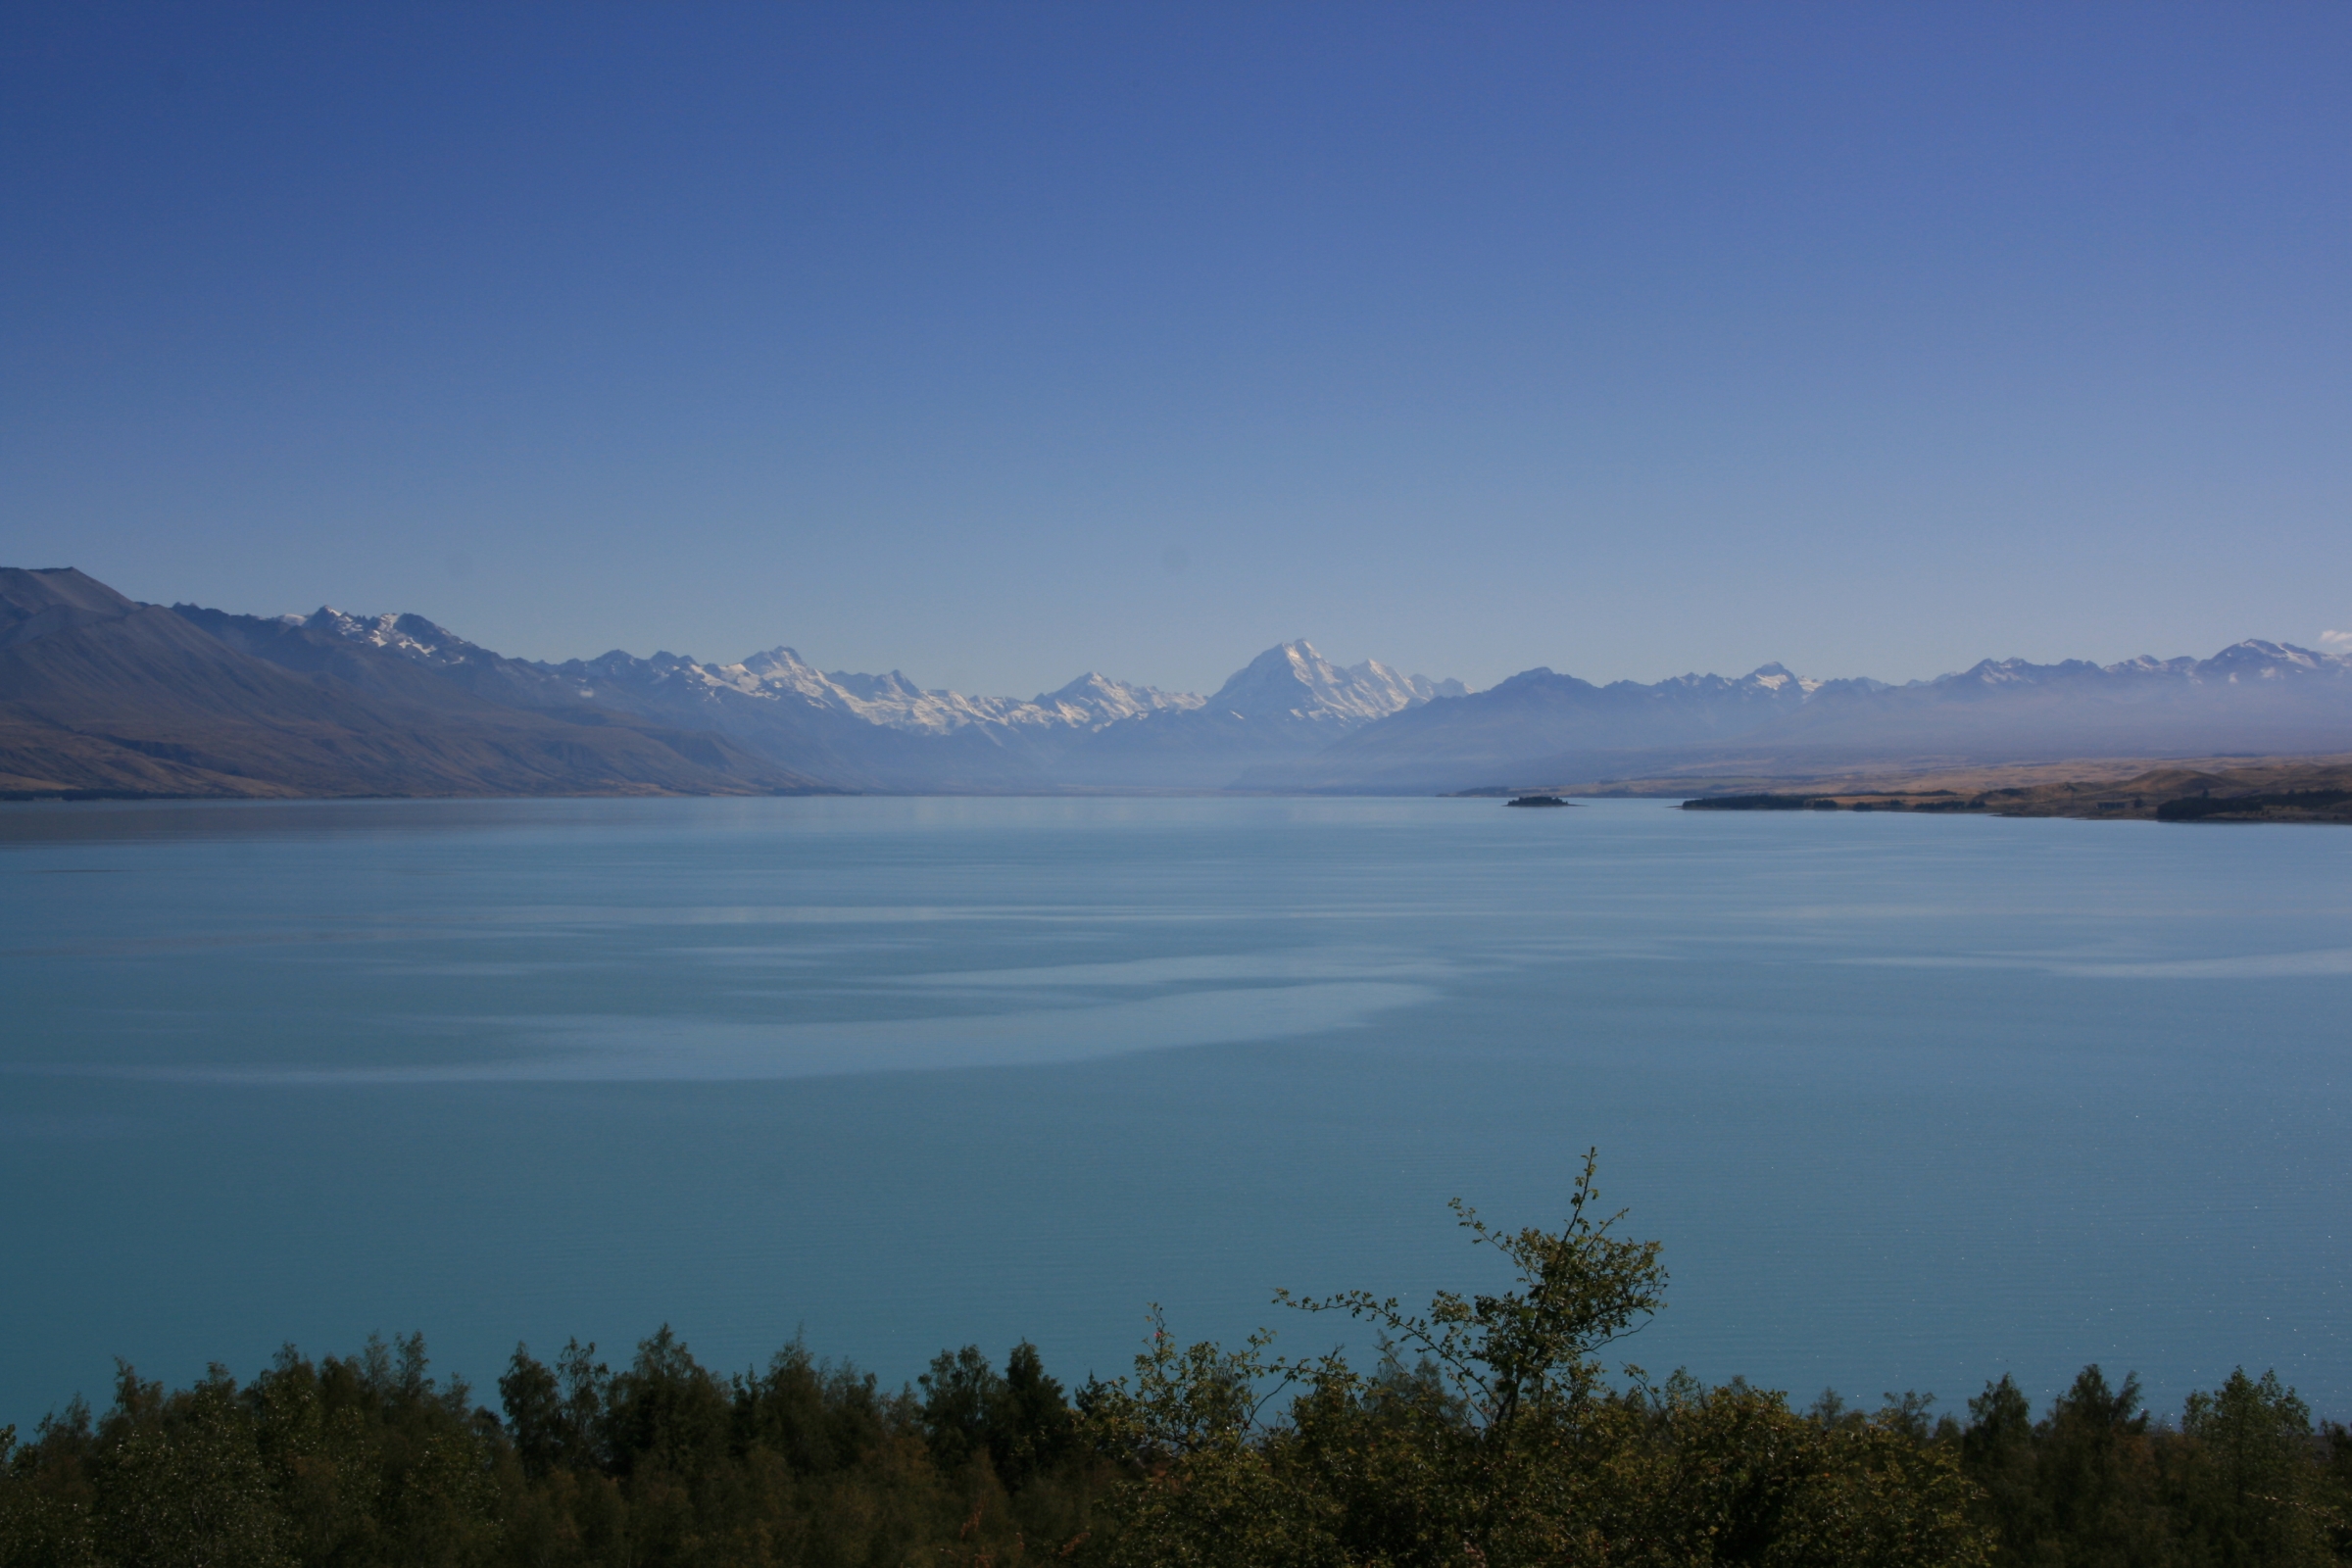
999,343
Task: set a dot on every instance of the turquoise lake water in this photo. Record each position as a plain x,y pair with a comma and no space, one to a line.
1911,1101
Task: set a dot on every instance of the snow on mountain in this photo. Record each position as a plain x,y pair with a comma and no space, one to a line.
1765,680
411,637
897,702
1293,719
1539,727
894,702
2266,661
1092,701
2252,659
1292,680
1088,702
780,669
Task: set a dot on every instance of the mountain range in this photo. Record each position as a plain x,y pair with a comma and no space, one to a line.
101,695
1540,729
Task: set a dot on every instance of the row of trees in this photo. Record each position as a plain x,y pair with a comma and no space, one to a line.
1486,1433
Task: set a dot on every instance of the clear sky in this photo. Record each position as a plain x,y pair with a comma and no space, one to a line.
998,343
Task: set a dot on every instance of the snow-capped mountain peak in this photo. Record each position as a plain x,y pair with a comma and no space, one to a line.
1094,699
893,701
1779,678
1292,679
411,637
780,669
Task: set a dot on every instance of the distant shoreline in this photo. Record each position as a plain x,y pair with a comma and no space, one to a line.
2205,789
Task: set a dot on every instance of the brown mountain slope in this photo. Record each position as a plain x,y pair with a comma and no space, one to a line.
103,695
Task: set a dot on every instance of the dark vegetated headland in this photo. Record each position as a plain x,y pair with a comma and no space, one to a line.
1488,1431
2279,793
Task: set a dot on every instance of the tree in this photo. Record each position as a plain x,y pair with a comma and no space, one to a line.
1489,1432
1533,1348
2098,1477
1998,1451
554,1418
2249,1487
182,1481
962,1396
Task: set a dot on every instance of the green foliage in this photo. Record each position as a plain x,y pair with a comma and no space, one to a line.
666,1461
2253,1495
1018,1420
1531,1351
1488,1432
2242,1481
2300,803
1502,1440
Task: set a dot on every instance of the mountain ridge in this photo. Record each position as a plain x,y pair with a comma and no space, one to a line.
1539,727
101,694
884,732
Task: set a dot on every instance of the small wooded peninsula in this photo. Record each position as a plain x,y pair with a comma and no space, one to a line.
1490,1430
2290,792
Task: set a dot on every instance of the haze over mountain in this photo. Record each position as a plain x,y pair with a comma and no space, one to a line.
99,693
1540,729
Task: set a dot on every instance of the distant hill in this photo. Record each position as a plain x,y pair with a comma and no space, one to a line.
1539,730
1491,736
100,695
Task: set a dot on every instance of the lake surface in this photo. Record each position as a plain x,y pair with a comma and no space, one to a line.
1911,1101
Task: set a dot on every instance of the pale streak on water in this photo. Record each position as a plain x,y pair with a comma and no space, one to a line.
1912,1101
